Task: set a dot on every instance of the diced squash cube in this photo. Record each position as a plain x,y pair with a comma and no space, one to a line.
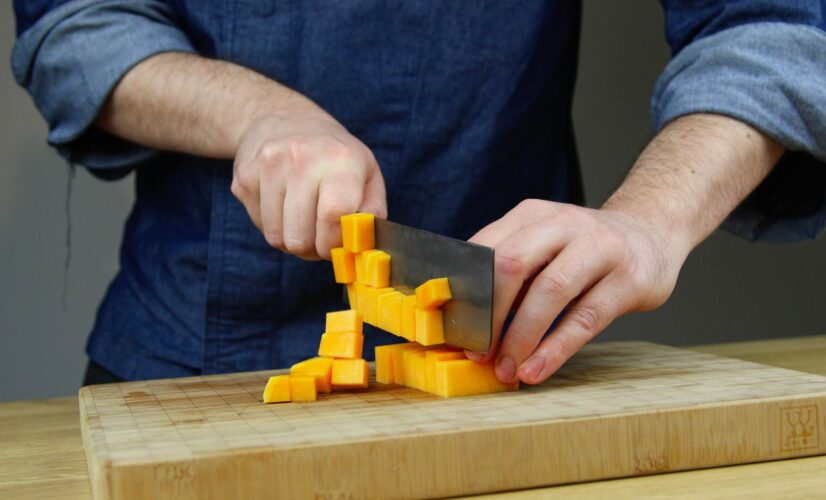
303,388
278,389
464,377
432,357
398,360
429,326
344,265
389,312
346,345
385,366
348,320
321,368
384,363
361,265
358,232
377,269
361,299
410,362
409,318
350,373
433,293
352,298
369,305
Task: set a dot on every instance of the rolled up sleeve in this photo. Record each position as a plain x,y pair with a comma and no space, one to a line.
71,58
772,76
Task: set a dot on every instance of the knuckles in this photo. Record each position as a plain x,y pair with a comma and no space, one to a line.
585,319
274,239
299,246
552,283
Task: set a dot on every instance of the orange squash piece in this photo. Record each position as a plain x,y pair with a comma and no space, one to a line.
369,304
350,373
277,389
377,269
389,312
463,377
434,356
321,368
361,298
348,320
414,368
398,360
352,298
429,326
358,232
344,265
302,388
346,345
433,293
361,265
384,364
408,318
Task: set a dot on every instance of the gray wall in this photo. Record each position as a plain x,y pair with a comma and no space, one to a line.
729,289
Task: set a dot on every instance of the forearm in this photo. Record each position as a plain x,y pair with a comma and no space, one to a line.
693,174
187,103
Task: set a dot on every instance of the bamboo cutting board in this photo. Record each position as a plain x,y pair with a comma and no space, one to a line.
616,409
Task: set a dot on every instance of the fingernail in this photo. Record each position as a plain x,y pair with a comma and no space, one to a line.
475,356
505,369
532,368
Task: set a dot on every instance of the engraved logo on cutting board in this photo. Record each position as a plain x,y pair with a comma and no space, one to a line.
799,428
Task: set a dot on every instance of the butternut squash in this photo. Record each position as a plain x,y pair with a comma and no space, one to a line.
303,388
377,269
345,345
389,312
358,232
277,389
434,356
429,326
409,318
344,265
350,373
464,377
348,320
433,293
321,368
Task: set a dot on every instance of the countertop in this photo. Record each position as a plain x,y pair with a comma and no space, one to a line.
41,454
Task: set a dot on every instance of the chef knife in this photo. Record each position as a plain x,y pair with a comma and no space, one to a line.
417,256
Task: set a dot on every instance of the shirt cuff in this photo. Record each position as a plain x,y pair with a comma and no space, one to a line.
72,58
771,76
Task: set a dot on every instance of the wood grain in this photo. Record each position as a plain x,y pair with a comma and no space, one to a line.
58,469
617,409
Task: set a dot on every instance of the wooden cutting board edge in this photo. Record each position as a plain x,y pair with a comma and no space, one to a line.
310,471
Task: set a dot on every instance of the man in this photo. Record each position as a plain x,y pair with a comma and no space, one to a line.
252,126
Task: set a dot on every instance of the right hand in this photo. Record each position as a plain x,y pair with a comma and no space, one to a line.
297,174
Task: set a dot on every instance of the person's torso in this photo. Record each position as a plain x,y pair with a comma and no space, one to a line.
465,104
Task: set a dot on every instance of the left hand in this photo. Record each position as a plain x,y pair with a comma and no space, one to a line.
599,264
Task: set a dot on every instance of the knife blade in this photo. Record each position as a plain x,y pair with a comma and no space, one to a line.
417,256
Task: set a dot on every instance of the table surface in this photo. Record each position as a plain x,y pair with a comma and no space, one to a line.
41,455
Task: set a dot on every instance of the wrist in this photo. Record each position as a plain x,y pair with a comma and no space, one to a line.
660,219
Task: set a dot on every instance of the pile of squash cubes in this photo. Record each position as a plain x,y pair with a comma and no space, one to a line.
424,362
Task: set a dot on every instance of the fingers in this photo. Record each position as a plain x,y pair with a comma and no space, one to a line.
272,209
575,269
589,316
300,202
524,213
340,193
517,259
374,200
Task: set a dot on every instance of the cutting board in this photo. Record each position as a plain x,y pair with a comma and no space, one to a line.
616,409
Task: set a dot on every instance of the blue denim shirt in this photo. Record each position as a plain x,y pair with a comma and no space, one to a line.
465,104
